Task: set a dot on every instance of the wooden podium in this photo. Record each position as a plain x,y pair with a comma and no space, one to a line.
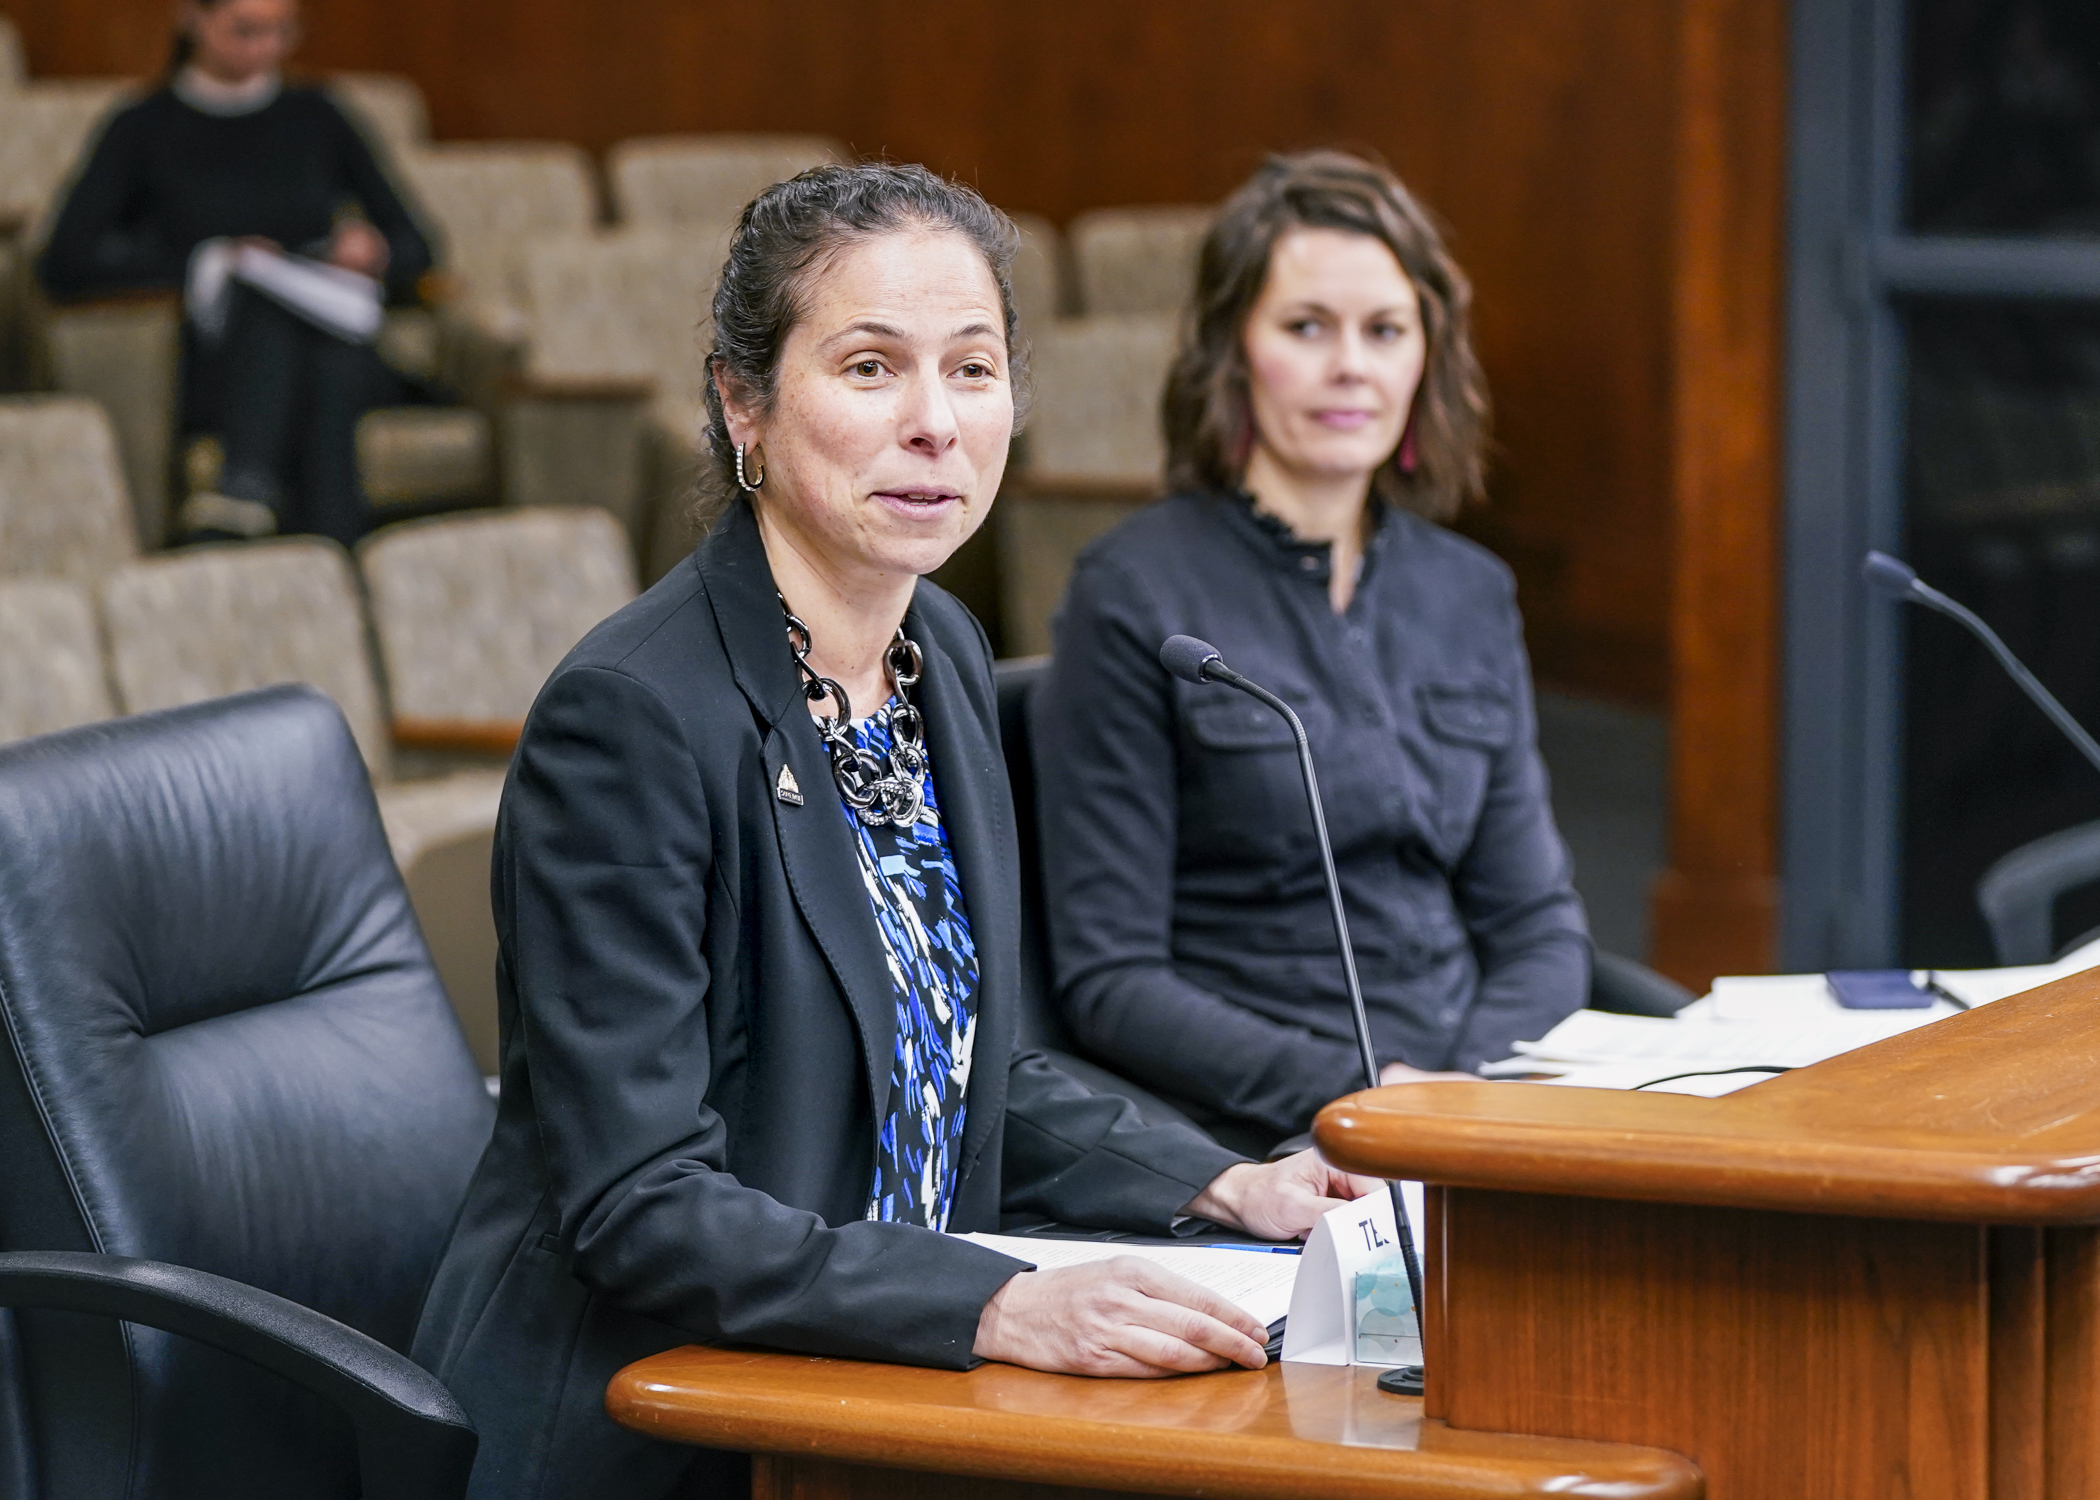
835,1429
1876,1277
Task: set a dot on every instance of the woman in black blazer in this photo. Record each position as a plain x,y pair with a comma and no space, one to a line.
758,1045
1325,412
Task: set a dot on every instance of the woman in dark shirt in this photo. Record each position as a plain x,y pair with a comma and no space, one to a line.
1325,411
225,151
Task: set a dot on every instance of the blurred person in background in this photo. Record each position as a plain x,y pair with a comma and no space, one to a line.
1325,412
225,153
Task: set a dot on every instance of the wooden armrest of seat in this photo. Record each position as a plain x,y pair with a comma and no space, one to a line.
458,736
529,386
140,297
1036,483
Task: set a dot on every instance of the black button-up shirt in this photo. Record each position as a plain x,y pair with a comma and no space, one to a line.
1188,914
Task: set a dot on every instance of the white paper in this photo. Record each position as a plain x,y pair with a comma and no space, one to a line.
1322,1329
1258,1281
1774,1020
335,300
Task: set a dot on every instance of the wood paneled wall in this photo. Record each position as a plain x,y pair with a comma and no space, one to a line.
1550,134
1540,130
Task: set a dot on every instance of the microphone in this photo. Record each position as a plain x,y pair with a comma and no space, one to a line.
1897,579
1199,662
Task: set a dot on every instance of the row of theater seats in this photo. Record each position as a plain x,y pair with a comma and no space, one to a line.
468,615
573,329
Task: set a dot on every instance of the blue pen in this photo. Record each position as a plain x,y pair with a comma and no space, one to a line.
1257,1249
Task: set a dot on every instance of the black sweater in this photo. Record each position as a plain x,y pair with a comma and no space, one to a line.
164,177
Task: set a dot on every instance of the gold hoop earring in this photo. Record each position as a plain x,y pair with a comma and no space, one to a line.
745,480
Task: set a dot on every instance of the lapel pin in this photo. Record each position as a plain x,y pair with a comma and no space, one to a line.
787,789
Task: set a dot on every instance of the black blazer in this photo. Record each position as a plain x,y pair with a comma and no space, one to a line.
697,1032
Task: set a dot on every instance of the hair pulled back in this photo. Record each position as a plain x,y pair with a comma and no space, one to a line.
182,47
1206,412
784,239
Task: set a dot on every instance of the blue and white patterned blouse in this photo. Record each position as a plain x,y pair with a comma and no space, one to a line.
911,882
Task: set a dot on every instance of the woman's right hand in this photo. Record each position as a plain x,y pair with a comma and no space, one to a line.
1396,1072
1124,1316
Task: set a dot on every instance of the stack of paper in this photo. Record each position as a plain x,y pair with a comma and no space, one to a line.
1257,1279
1767,1021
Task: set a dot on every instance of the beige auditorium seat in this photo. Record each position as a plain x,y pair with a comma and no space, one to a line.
608,407
45,128
1093,454
63,510
705,179
388,105
210,621
1138,260
14,69
473,612
1038,275
51,672
490,201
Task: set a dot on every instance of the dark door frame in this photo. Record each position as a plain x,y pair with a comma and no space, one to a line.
1849,259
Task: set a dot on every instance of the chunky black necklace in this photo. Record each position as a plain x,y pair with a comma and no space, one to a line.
900,795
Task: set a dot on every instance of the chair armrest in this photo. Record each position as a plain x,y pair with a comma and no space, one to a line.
458,736
1626,988
413,1441
2018,893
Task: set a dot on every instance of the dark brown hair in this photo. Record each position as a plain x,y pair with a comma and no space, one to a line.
788,232
1206,410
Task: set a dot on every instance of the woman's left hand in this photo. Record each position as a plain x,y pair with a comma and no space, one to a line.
359,247
1281,1200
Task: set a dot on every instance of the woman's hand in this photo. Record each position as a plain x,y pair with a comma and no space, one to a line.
359,247
1279,1201
1124,1316
1393,1073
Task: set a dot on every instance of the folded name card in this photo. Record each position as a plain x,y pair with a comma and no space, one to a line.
1356,1243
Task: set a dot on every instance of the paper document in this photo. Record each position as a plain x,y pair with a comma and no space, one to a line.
1258,1281
334,300
1757,1020
1591,1036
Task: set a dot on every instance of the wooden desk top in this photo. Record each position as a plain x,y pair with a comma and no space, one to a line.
1992,1117
1287,1431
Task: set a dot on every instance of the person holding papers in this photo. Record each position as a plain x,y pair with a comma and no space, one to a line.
758,909
1324,413
223,162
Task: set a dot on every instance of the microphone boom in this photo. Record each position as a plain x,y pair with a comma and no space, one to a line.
1199,662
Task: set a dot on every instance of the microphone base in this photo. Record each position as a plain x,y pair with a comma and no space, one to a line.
1402,1380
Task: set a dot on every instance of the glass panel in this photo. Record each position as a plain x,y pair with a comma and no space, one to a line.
2004,117
2003,500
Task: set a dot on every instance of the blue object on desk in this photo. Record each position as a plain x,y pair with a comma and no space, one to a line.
1877,989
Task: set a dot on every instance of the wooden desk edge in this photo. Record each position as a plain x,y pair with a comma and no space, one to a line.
660,1398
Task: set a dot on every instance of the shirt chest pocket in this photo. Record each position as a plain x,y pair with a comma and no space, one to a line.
1239,724
1242,796
1469,725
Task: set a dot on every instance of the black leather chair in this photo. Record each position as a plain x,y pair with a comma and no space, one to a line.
2019,893
1041,1026
1626,988
234,1101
